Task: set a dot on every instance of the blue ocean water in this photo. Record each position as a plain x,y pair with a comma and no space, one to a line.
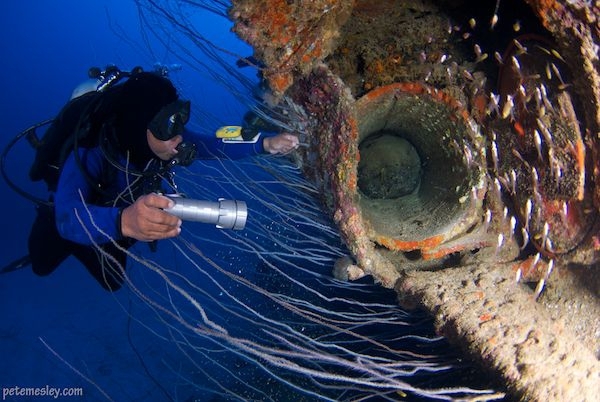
269,287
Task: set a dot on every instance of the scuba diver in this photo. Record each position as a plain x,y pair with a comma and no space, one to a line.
106,158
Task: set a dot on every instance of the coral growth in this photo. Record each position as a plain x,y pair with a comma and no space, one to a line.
289,38
502,105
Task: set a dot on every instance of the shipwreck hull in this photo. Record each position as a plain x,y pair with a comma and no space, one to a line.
459,159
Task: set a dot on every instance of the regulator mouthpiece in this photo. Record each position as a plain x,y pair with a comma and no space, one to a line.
225,214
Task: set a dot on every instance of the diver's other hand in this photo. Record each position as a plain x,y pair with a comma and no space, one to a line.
145,219
281,144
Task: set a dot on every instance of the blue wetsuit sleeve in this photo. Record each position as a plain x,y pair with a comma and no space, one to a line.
76,215
211,147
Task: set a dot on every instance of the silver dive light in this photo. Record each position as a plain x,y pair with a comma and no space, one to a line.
225,214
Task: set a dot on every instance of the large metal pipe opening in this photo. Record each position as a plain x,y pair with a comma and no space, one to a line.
420,168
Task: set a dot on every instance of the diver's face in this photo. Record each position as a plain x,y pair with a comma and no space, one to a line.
165,150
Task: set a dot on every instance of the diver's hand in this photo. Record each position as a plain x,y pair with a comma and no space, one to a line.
145,220
280,144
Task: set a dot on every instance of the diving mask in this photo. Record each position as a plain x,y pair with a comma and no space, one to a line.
170,120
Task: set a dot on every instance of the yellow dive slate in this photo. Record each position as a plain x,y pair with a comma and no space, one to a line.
229,132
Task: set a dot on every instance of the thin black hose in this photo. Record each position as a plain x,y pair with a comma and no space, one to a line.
8,180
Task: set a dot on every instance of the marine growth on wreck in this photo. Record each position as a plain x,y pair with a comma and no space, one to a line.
485,89
455,135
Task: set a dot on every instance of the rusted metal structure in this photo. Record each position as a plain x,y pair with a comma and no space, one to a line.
456,144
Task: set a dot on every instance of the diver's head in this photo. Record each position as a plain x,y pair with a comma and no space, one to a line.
142,99
165,131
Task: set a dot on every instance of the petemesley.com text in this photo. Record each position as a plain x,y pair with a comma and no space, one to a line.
16,392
